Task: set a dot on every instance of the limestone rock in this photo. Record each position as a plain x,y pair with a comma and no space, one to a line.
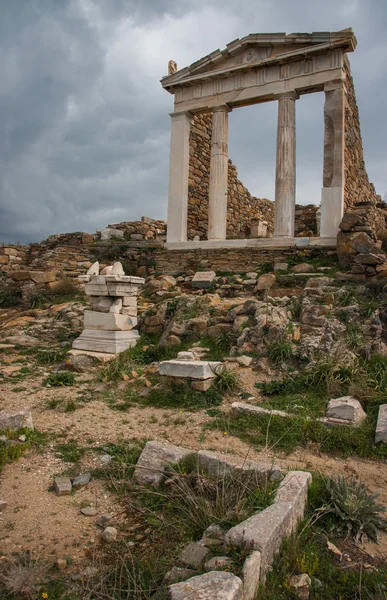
218,465
109,534
251,575
265,282
100,303
81,480
22,339
107,270
153,460
381,426
218,563
108,321
203,279
190,369
185,356
369,259
301,584
177,574
117,269
116,306
89,511
346,408
62,486
294,489
193,556
303,268
280,266
103,519
94,269
314,314
244,361
15,420
78,363
215,585
215,531
109,232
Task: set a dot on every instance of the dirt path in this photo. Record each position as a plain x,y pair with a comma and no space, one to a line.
37,520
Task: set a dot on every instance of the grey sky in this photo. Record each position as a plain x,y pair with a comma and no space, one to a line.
84,125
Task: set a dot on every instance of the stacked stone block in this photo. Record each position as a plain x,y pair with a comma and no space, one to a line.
109,325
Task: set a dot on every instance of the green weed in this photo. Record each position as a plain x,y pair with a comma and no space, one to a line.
60,379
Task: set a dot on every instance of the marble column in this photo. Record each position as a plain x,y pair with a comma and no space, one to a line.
285,179
217,201
178,177
332,196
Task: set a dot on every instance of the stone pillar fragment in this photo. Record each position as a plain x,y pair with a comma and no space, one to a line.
178,177
285,180
217,202
332,197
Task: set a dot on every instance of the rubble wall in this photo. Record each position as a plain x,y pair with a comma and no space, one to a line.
358,188
242,207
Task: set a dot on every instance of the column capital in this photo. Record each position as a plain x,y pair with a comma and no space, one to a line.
183,116
291,95
222,108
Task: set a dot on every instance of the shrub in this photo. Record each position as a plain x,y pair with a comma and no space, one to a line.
226,380
356,510
60,379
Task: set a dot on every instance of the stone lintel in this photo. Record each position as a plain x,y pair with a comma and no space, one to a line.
264,243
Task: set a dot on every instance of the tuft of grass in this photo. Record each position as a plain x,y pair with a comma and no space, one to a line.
226,380
10,297
280,350
12,448
70,451
51,356
60,379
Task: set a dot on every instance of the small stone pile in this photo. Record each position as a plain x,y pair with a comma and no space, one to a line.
109,326
358,247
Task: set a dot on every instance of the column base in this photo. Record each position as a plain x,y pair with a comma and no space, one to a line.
332,210
108,342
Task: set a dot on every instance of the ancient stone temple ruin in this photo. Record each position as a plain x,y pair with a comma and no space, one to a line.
261,68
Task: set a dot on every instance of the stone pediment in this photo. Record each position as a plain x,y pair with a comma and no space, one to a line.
259,49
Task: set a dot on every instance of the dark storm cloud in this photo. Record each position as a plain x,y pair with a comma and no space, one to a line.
84,126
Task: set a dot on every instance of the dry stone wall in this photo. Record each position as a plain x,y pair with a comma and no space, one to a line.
357,185
242,207
306,221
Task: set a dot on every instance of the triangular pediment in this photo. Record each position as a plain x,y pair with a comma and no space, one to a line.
258,49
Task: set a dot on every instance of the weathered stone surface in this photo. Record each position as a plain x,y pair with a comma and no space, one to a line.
185,356
216,532
264,532
193,556
202,385
252,409
80,363
203,279
266,281
177,574
103,519
349,221
21,339
106,342
3,505
220,329
89,511
381,425
94,269
301,584
218,563
153,460
107,270
303,268
280,266
314,314
370,259
294,489
117,269
108,321
15,420
109,534
81,480
116,307
62,486
244,361
346,408
109,232
101,303
215,585
218,464
196,369
251,575
96,289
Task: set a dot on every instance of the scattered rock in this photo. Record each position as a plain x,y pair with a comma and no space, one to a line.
177,574
346,408
301,584
280,266
109,534
78,363
334,549
106,458
61,563
15,420
244,361
216,585
81,480
109,232
89,511
94,269
216,532
193,556
185,356
22,339
381,426
3,505
103,519
203,279
265,282
62,486
218,563
153,460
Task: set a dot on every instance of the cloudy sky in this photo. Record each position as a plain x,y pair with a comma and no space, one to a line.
84,125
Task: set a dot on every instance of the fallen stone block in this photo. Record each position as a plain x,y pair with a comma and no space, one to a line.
108,321
381,425
203,279
16,420
346,408
153,460
294,489
264,532
218,465
251,575
193,556
62,486
190,369
251,409
215,585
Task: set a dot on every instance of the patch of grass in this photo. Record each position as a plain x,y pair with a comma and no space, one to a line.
70,451
60,380
226,380
181,395
12,449
10,297
280,350
70,406
51,356
124,458
311,402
